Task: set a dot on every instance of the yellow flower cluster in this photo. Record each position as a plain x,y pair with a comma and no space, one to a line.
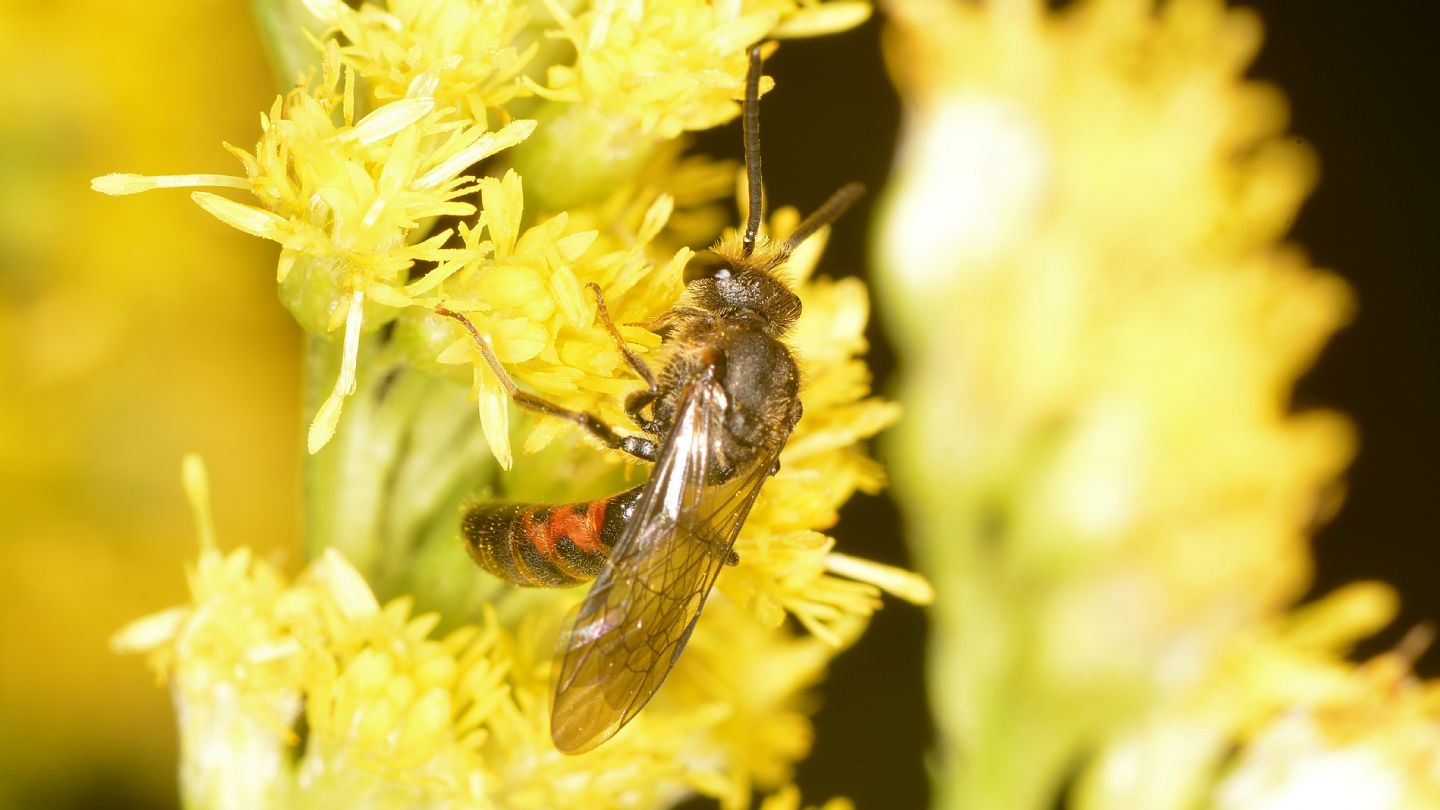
1101,333
398,718
415,168
1368,738
344,198
1300,726
473,51
355,166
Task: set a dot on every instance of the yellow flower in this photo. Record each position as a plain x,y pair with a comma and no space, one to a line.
672,66
473,50
527,294
644,73
675,65
343,197
1366,738
396,717
369,177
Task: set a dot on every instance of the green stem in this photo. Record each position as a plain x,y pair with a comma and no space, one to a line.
282,25
387,489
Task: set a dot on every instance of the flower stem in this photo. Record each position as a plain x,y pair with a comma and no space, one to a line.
387,488
282,25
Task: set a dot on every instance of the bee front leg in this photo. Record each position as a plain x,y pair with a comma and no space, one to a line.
637,446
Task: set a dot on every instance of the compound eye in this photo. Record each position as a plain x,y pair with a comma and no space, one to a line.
706,265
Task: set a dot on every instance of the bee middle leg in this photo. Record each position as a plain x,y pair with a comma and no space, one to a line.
631,358
636,402
637,446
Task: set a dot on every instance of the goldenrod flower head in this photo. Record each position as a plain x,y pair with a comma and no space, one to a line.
397,717
675,65
351,171
472,49
644,73
359,175
1174,750
527,293
343,197
1364,737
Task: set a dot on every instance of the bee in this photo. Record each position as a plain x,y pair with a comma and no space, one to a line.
714,421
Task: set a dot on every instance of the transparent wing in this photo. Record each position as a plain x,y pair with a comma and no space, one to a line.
641,609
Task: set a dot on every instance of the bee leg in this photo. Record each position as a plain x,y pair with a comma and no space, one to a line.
637,446
631,357
733,558
635,404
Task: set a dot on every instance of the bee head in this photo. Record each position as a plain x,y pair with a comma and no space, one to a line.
728,284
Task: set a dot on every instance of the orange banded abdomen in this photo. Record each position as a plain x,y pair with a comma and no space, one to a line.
547,545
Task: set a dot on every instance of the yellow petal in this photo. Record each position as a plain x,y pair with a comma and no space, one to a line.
118,184
247,218
907,585
494,405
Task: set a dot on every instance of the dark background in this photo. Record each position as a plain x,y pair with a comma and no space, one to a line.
1363,93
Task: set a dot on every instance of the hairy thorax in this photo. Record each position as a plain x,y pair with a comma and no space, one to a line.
756,371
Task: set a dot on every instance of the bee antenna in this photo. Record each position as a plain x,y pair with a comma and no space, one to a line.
751,125
832,210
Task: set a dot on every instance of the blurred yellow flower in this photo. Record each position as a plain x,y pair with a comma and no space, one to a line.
133,331
1339,735
1079,255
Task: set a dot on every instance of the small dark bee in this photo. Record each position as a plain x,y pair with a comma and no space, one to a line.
717,417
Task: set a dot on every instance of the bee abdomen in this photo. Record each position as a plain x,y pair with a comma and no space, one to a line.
546,545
